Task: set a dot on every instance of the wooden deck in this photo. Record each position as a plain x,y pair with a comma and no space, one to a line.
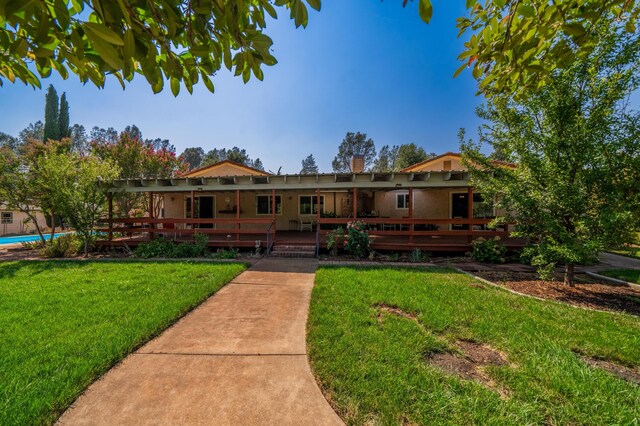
386,234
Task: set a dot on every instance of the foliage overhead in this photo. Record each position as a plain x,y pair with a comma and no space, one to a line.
354,144
515,45
576,144
181,41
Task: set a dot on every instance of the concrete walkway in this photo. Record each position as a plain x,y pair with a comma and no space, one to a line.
239,358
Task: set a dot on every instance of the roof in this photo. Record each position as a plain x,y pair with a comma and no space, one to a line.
232,169
421,165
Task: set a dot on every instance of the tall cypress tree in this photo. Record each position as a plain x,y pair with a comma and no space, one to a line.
63,117
51,125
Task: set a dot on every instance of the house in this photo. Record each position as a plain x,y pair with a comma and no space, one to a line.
424,206
15,222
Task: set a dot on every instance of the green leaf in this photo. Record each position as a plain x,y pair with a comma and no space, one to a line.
459,70
104,33
175,86
314,4
526,10
425,9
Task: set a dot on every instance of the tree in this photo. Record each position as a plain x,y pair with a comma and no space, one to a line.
257,164
63,117
354,144
386,161
8,141
515,45
574,191
309,166
181,41
193,157
51,109
136,158
410,154
17,188
234,154
79,140
75,190
34,131
100,135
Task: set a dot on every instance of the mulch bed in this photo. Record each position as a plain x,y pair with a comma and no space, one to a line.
587,292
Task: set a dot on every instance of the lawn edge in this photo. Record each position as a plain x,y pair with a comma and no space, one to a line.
143,342
612,279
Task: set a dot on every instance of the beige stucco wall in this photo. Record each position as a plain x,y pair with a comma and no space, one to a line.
21,224
427,204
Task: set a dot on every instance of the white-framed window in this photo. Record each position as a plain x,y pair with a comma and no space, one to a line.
402,200
264,204
308,204
6,217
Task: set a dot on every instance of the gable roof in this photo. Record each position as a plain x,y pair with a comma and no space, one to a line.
424,165
225,168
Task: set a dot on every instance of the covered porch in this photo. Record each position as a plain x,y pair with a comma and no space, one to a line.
404,211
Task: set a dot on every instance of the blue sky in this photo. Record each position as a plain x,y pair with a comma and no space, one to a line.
360,65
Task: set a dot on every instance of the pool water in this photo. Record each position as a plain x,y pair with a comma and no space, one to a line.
25,238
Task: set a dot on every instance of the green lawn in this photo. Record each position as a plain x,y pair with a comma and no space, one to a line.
65,323
373,364
629,275
629,252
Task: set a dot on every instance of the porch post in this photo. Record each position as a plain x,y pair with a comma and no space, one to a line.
470,214
355,203
193,212
110,209
273,211
411,227
151,224
238,214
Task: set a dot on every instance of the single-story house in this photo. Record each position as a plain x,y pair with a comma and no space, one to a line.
424,206
15,222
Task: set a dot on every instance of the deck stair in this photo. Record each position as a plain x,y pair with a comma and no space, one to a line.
293,250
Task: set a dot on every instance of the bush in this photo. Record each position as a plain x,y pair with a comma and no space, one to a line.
358,242
67,245
225,254
333,239
164,248
418,256
489,251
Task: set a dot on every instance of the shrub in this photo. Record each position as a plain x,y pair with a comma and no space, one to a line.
164,248
418,256
225,254
490,251
333,239
68,245
358,242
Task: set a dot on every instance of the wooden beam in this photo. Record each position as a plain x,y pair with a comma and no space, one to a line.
470,214
238,214
273,210
355,203
110,202
410,200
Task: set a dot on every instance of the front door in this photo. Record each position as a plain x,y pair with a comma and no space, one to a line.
459,209
206,210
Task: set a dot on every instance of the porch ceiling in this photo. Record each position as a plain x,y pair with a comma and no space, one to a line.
333,181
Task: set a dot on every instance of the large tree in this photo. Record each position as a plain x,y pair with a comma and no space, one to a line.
576,145
309,166
193,157
410,154
51,111
235,154
34,131
8,141
64,130
354,144
73,181
136,158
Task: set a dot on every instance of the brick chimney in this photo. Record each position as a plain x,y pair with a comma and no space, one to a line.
357,164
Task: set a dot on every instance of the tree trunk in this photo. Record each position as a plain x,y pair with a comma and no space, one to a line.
569,272
53,225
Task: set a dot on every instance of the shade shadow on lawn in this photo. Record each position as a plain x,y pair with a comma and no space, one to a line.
65,323
382,371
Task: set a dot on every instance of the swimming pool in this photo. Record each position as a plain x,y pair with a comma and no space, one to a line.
25,238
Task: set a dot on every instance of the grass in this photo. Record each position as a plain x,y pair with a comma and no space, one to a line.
373,367
630,251
629,275
65,323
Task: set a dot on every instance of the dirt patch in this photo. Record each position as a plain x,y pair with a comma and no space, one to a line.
394,310
471,363
587,292
625,373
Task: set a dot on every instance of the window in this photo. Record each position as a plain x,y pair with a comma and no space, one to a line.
402,201
309,204
7,217
264,204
